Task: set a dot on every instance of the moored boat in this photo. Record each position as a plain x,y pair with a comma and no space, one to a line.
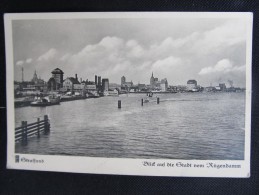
111,93
146,101
92,94
46,101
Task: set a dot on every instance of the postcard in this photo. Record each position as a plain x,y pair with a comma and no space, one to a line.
130,93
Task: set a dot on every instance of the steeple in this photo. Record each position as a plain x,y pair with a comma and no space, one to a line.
35,77
152,80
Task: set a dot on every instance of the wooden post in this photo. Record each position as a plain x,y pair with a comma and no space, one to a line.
24,132
46,124
142,102
157,100
38,127
119,103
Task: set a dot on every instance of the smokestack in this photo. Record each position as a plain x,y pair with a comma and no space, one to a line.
22,74
80,80
95,80
76,77
99,81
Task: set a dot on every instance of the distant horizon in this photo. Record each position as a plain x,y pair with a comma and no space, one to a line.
136,83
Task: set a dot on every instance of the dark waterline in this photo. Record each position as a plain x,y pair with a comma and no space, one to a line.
183,126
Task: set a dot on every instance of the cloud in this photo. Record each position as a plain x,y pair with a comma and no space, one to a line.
19,63
217,39
222,66
177,43
50,54
111,42
135,50
170,56
167,63
166,68
178,49
210,41
65,57
113,56
28,61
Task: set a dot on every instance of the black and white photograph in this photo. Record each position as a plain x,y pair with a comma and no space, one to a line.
130,93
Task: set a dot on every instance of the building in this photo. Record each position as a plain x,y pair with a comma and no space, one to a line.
52,84
126,85
35,78
56,81
71,83
95,79
155,83
87,87
152,81
105,84
79,87
99,81
173,89
57,74
222,86
191,85
164,84
217,88
90,87
123,80
210,89
37,83
134,89
113,86
142,87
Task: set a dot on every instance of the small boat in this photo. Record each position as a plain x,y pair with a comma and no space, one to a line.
70,97
46,101
111,93
92,94
150,94
146,101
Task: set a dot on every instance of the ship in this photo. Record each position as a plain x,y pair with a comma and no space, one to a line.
111,93
46,101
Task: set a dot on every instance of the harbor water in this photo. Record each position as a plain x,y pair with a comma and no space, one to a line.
205,126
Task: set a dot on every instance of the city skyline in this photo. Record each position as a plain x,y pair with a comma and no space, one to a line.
207,50
228,83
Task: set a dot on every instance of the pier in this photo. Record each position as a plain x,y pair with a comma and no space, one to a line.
26,131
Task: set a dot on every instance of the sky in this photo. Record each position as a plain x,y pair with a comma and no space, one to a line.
209,50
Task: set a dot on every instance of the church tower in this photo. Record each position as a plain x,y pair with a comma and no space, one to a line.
152,80
35,77
123,80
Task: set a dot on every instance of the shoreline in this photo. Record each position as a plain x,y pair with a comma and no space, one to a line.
18,103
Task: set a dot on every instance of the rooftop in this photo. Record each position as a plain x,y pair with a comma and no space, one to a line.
57,71
192,82
73,80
